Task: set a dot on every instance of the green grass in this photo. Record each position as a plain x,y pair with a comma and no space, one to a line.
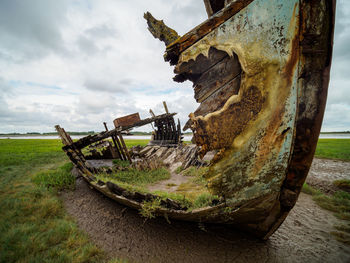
131,143
33,224
136,177
333,149
179,169
121,163
343,184
339,204
58,179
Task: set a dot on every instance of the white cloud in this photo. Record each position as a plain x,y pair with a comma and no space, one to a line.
79,63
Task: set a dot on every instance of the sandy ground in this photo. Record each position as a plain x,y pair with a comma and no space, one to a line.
323,172
121,232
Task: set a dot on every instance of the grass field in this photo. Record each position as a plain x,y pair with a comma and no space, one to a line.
33,224
333,149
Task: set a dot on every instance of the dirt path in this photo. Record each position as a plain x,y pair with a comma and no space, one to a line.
121,232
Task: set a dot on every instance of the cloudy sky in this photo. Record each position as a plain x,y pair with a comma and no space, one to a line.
78,63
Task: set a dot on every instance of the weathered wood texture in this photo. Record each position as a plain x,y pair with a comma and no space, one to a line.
125,149
175,48
74,154
216,100
159,30
166,132
201,63
215,77
114,139
83,142
127,120
213,6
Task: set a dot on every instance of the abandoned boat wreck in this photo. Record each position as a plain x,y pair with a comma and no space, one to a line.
260,71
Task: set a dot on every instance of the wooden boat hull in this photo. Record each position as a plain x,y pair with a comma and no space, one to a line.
260,70
267,131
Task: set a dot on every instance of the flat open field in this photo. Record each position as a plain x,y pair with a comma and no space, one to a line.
40,223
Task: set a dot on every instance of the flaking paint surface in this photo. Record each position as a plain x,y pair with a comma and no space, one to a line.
253,160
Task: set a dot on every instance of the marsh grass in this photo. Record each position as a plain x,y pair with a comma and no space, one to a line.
33,224
121,163
179,169
57,179
333,149
136,177
343,184
150,207
339,204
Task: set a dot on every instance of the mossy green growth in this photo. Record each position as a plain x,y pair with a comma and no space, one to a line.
204,199
150,207
196,172
180,198
136,177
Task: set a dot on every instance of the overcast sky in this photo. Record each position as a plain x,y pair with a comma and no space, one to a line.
79,63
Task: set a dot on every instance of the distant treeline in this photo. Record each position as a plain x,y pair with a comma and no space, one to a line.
140,133
45,133
342,132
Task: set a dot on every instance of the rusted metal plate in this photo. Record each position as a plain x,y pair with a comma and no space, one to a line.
127,120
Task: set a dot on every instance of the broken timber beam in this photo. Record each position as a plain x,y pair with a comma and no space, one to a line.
124,147
174,50
115,143
86,141
159,30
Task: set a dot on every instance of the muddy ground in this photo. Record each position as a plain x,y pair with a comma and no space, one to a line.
121,232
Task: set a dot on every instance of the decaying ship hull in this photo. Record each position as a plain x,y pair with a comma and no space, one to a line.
260,71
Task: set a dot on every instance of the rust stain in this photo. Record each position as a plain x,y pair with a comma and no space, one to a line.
218,131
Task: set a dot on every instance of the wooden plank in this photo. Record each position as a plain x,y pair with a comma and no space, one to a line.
174,49
165,107
123,156
114,142
65,138
124,147
127,120
208,8
216,5
152,113
159,30
217,100
202,63
85,141
216,77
